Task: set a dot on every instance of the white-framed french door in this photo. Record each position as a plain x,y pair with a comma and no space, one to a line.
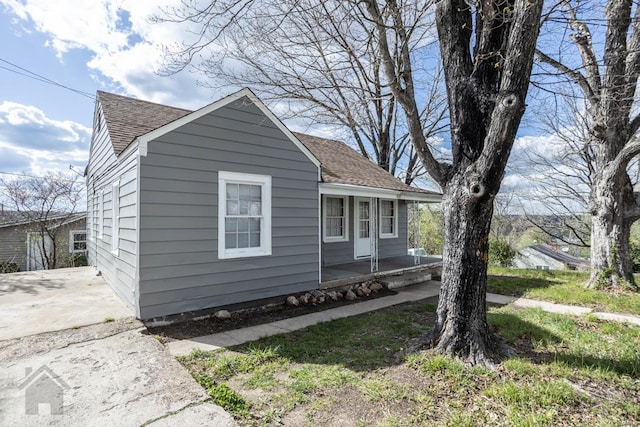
362,227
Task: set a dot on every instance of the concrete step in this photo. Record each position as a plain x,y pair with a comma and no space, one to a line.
406,279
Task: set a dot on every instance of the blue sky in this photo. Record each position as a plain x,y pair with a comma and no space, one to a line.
86,46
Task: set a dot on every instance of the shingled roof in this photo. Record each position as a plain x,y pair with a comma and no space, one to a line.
129,118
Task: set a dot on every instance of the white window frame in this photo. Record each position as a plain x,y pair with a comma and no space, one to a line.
264,181
345,228
101,214
72,240
393,235
90,219
115,218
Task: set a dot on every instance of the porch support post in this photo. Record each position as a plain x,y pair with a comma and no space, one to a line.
373,233
416,232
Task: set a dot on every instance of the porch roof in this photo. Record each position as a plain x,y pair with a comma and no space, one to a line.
347,172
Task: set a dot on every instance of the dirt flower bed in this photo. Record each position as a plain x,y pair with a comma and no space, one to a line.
307,303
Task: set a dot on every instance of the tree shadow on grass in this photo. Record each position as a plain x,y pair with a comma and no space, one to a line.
531,341
361,343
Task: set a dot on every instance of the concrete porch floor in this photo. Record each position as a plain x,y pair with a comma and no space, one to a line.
352,272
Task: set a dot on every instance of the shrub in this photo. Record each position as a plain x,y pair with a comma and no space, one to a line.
78,260
634,253
9,267
501,253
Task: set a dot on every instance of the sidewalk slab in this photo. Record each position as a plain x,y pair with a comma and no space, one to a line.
552,307
624,318
500,299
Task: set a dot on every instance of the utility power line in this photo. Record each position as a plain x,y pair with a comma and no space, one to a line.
35,76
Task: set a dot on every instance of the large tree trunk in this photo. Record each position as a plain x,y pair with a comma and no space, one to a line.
461,327
610,228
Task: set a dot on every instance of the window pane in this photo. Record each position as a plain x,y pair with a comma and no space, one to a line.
244,207
79,237
255,240
364,210
243,240
232,191
256,193
230,240
231,225
387,225
364,229
232,207
245,192
80,246
243,225
386,208
254,225
256,209
335,227
335,206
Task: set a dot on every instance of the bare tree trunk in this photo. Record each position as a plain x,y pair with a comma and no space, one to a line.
461,325
610,228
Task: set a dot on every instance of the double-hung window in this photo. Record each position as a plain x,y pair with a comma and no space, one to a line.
244,220
388,219
336,210
77,241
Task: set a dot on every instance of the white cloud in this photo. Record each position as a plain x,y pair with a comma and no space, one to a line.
125,46
39,144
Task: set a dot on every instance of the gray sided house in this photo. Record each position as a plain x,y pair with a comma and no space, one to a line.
192,210
22,244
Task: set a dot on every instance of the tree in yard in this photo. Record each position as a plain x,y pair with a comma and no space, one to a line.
487,50
607,78
47,203
321,56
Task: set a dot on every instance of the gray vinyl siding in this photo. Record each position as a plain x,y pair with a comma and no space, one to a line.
117,267
179,266
343,252
13,246
13,243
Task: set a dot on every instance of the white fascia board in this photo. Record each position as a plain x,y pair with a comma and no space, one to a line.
143,140
420,197
357,190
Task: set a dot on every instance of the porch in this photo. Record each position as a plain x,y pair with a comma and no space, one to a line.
360,271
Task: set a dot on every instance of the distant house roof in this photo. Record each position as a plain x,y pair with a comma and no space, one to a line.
129,118
68,219
560,256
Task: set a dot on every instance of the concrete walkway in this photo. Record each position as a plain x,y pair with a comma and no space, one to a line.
52,300
404,295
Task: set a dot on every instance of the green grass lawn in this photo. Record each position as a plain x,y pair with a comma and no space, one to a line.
565,287
570,371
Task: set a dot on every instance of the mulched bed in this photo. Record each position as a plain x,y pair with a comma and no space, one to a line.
248,317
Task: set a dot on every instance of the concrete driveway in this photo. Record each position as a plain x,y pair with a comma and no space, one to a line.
51,300
61,364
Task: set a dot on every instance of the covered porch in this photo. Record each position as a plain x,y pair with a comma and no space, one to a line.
360,270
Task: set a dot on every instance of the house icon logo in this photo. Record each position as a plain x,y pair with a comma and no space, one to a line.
43,387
